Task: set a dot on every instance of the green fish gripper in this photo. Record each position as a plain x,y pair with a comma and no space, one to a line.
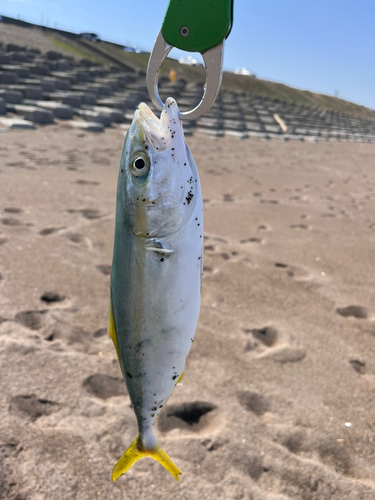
197,25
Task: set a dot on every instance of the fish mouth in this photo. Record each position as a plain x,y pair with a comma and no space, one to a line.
159,132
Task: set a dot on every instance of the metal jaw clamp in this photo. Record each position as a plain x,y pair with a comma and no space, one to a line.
194,26
213,61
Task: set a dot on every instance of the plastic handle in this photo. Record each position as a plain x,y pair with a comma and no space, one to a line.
197,25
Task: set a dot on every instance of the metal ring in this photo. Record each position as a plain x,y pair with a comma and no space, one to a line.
213,60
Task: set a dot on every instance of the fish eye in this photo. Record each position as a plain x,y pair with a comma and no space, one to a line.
139,165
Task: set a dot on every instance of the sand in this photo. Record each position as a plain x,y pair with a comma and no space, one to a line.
278,396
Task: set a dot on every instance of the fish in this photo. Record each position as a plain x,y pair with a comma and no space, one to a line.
156,276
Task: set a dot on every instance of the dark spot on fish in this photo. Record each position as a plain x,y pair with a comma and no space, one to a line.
189,197
128,375
199,258
144,199
172,149
162,259
174,377
161,406
185,164
154,394
152,414
122,170
198,224
174,368
153,409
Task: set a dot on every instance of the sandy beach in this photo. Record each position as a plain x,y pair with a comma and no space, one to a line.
278,396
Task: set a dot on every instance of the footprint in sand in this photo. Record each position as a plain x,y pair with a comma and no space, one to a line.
228,197
252,240
88,183
88,213
358,366
220,240
213,172
225,256
294,441
267,335
101,332
103,386
270,202
34,320
77,337
281,265
254,402
358,312
104,269
193,416
31,407
249,463
267,342
334,455
299,226
12,210
50,230
51,297
209,248
75,237
11,221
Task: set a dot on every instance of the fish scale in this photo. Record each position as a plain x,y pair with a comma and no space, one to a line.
156,270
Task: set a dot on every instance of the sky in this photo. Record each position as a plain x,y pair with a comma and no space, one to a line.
326,46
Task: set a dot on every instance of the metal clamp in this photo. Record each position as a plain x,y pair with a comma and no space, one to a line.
213,61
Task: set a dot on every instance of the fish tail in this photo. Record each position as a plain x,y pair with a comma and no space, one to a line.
135,453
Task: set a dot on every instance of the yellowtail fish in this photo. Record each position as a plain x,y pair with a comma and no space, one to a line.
156,270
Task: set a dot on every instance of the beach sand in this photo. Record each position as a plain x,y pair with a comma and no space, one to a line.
278,396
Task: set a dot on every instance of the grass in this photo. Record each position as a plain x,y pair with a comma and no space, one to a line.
71,47
232,82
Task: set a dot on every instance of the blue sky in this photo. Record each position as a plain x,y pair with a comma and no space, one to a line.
319,45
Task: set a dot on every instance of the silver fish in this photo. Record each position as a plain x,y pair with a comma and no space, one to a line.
156,271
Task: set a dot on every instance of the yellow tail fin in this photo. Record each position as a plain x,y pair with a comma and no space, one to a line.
134,453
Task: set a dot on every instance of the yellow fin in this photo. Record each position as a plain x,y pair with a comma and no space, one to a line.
179,381
134,453
112,330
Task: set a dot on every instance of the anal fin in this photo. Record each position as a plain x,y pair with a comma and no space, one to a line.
112,331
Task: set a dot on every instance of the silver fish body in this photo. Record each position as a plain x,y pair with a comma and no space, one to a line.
157,268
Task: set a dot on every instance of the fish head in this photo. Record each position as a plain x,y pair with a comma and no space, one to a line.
158,178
